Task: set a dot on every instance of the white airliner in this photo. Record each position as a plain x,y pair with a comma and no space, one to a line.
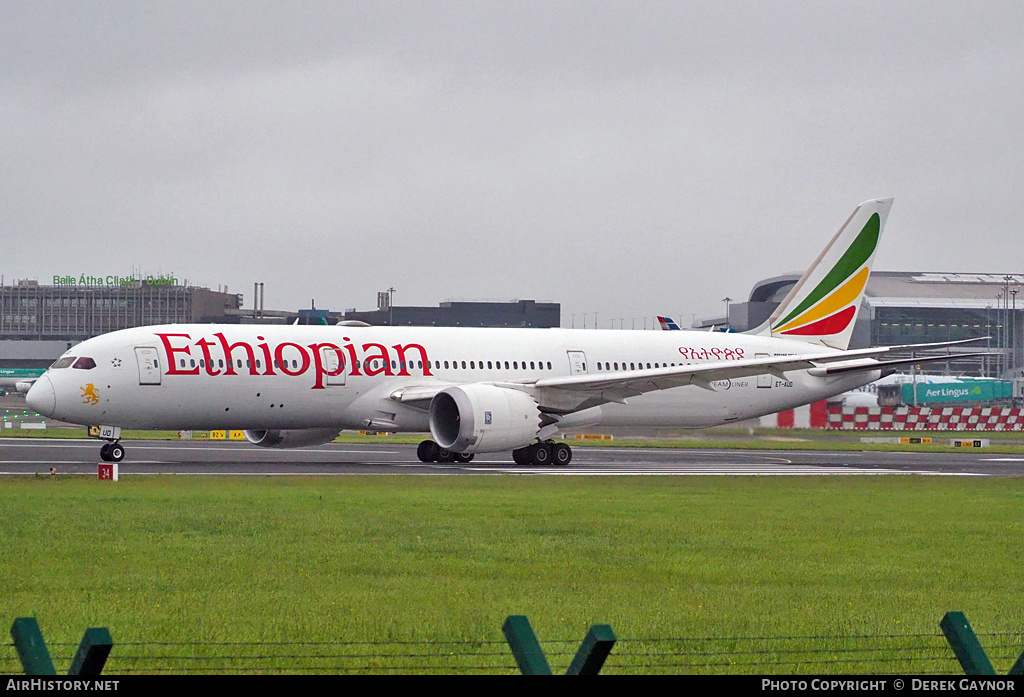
475,390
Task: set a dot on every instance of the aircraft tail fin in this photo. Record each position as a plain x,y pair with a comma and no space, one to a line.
667,323
822,307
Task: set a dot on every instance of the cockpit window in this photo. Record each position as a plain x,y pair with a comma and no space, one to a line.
63,362
84,363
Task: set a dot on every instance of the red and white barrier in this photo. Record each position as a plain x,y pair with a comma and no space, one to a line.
926,418
808,416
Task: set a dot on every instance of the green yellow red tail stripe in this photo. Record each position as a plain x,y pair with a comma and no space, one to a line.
824,304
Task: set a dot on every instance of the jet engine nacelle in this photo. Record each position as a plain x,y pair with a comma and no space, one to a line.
292,437
483,418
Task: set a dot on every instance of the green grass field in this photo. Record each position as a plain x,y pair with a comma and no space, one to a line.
431,559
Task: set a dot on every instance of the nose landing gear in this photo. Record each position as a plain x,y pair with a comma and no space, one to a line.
112,452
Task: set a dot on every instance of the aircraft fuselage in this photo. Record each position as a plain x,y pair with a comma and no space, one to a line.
303,377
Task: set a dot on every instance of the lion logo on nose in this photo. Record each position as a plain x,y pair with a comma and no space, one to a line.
90,395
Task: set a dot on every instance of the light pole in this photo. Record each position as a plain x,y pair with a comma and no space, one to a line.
988,340
1000,335
1013,330
727,300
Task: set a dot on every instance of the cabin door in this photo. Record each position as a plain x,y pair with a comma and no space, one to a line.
577,363
149,365
765,379
334,365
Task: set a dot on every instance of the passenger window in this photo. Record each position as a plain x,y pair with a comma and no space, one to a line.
84,363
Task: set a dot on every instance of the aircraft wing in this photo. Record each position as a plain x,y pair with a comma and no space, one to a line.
618,385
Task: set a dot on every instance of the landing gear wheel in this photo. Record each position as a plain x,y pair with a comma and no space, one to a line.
540,454
427,451
112,452
521,457
561,454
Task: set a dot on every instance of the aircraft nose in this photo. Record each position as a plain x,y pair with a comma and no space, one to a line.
41,397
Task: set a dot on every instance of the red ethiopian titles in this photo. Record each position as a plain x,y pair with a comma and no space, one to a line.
288,358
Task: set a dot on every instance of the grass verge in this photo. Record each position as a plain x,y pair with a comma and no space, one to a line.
448,558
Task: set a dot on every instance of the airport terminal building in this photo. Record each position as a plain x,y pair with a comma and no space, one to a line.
452,313
39,322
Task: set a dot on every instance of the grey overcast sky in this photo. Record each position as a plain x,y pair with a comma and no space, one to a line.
623,158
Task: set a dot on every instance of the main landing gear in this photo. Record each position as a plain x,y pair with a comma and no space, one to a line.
112,452
543,453
429,451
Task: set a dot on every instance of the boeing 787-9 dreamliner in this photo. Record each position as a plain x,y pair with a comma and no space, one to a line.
476,390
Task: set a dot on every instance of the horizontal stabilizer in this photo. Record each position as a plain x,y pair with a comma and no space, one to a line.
886,366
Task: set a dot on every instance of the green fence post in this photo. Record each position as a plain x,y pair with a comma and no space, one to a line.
92,652
32,651
1018,667
965,644
593,651
525,647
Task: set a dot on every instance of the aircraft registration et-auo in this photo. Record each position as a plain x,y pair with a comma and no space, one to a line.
476,390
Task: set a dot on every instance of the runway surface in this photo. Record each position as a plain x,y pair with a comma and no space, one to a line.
19,456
